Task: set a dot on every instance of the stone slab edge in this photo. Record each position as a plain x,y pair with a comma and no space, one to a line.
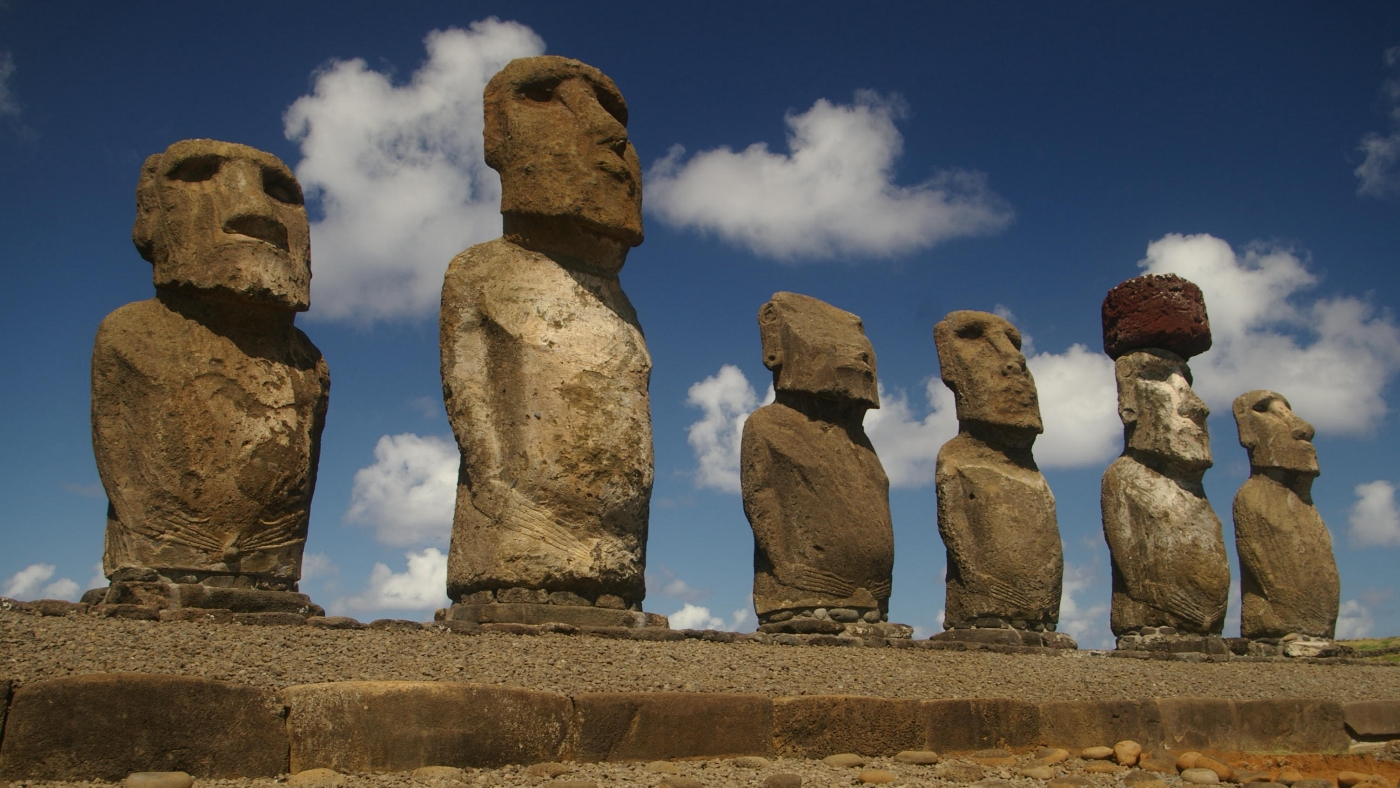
400,725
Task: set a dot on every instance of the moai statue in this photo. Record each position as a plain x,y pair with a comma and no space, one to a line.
207,402
995,510
1171,576
814,492
1288,576
544,367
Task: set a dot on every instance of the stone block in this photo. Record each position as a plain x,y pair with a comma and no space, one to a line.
1198,724
815,726
969,724
1087,723
380,726
244,600
1377,720
530,613
106,726
1155,311
653,726
1291,725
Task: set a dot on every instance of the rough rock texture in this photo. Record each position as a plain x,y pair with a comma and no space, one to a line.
207,403
813,489
1167,548
544,367
1288,574
996,513
1155,311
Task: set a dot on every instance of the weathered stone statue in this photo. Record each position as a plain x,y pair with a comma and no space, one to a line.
995,510
544,368
207,402
1171,576
814,492
1288,575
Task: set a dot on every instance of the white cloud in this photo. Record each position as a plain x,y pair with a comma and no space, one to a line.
727,399
1233,609
1353,621
1078,406
1375,517
697,617
318,565
906,444
400,173
98,578
408,494
8,104
831,195
422,587
663,582
1330,356
1086,622
1379,172
31,582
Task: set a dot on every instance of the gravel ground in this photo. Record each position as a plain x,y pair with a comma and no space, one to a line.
34,648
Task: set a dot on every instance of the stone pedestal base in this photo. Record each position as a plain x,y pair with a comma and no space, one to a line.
1007,636
160,595
826,626
1168,640
1290,645
534,613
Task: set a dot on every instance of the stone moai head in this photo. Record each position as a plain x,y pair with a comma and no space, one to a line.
981,361
225,220
1273,434
556,131
815,348
1161,415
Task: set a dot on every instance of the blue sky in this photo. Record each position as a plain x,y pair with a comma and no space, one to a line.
899,162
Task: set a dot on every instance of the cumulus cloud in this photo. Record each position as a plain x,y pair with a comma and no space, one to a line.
832,194
1085,621
697,617
1078,407
1375,517
1353,621
664,582
316,566
726,400
8,104
1379,172
422,587
408,494
399,172
907,444
33,582
1331,356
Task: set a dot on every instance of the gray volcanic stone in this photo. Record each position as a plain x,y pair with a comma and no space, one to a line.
1170,567
207,402
996,513
1288,574
544,367
1155,311
814,492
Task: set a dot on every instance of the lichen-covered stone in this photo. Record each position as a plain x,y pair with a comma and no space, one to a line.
814,492
996,513
1155,311
1288,574
1165,541
544,367
207,402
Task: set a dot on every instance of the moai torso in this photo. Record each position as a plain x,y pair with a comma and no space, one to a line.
1288,574
207,402
814,491
996,513
544,367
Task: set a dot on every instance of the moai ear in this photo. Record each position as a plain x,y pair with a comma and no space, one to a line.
143,232
771,334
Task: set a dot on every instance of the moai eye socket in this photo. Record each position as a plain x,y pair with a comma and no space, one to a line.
195,168
281,188
541,92
969,331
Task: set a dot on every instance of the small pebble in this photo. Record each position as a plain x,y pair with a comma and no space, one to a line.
1127,752
1187,760
663,767
751,762
992,758
316,778
1051,755
1036,773
876,777
917,757
1247,776
845,760
1313,783
961,772
783,780
1096,753
1288,775
1221,770
1200,776
158,780
677,781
